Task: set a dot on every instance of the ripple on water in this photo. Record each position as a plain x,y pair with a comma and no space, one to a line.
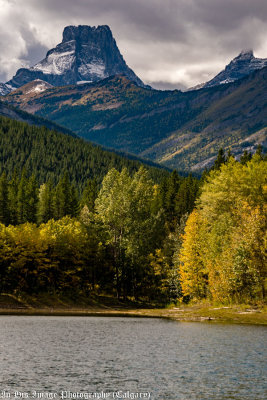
177,361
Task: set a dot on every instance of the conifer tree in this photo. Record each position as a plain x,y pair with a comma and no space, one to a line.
4,203
229,155
186,196
89,194
219,160
63,197
172,186
259,151
21,199
74,202
13,198
31,200
246,156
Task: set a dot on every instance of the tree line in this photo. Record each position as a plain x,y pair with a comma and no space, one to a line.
55,239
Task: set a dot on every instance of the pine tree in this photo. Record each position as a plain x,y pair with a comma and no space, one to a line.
259,151
31,200
89,194
186,196
13,198
74,202
219,160
246,156
172,186
22,198
4,203
63,197
229,155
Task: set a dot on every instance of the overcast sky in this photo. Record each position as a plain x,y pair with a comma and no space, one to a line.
168,43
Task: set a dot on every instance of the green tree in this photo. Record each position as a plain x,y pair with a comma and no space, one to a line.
169,192
89,194
22,199
4,201
31,200
13,198
186,197
124,207
63,197
246,156
220,160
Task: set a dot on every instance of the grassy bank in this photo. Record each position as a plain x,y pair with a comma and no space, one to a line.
107,306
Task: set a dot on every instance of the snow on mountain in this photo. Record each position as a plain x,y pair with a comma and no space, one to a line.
244,64
37,86
96,68
55,63
85,54
83,82
5,89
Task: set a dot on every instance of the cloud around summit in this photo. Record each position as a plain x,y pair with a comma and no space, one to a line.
175,43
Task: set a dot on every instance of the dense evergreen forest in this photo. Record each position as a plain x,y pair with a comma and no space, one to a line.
47,154
134,234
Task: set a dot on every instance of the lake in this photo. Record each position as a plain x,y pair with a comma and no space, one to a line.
105,357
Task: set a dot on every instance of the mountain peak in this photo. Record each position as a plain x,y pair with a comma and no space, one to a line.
83,32
242,65
246,53
86,54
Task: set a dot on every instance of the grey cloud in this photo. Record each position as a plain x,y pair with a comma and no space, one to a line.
163,85
179,42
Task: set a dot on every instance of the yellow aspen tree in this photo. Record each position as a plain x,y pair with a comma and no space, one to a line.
193,273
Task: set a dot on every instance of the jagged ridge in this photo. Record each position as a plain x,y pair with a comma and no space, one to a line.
244,64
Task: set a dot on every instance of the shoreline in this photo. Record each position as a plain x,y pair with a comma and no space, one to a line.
195,313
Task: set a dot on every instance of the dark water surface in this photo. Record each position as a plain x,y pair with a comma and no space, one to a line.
171,360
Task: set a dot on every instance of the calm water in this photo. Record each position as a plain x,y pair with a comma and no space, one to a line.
171,360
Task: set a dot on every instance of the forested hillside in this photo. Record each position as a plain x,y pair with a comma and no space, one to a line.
7,110
47,154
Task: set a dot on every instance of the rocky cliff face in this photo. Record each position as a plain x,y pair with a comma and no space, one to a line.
244,64
85,54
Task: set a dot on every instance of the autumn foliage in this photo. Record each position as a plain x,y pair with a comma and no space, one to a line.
223,255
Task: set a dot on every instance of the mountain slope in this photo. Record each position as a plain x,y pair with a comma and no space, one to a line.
115,112
85,54
7,110
238,121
